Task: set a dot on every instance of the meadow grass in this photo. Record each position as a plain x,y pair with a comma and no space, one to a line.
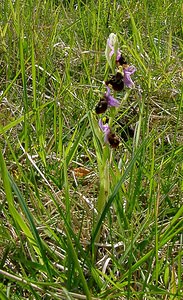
80,220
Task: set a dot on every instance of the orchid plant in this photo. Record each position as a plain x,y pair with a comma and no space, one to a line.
121,79
117,82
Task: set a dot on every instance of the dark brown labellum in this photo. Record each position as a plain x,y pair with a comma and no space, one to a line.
121,61
101,106
116,81
113,140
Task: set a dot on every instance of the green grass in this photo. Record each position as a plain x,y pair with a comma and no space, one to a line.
115,233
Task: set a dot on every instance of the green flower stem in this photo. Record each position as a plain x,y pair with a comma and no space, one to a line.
103,153
103,157
104,183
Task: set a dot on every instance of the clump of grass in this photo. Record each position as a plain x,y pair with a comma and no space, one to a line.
52,68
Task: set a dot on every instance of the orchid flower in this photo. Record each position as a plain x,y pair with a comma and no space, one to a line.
116,81
109,137
106,130
106,101
111,48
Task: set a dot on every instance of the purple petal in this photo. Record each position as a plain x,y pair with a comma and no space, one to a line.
107,94
103,127
111,101
100,124
106,140
131,69
111,47
106,130
118,55
127,73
